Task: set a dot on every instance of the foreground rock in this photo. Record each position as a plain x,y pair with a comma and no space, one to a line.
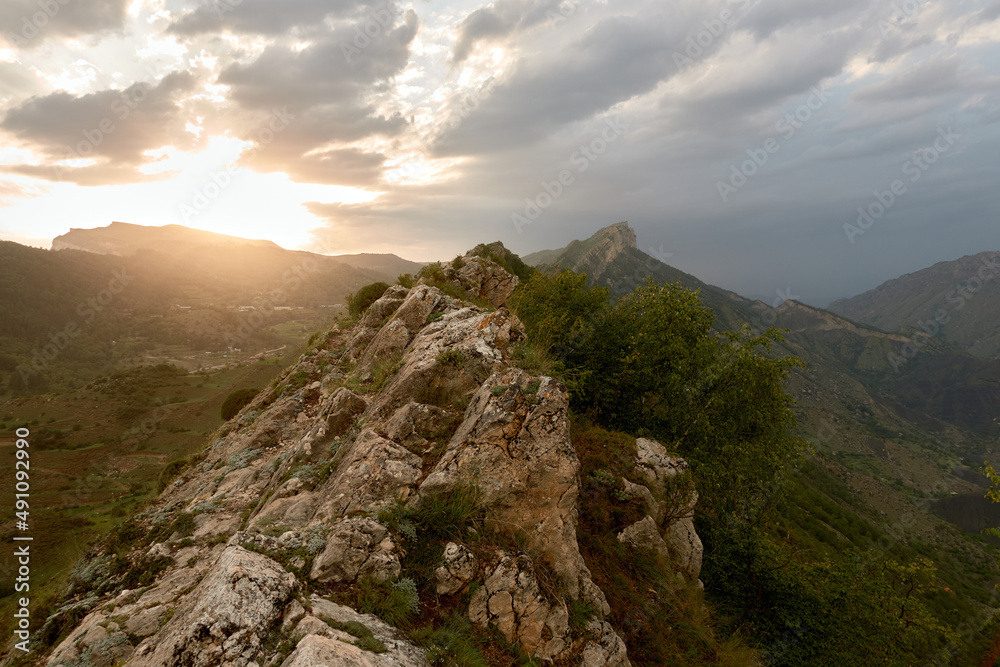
419,399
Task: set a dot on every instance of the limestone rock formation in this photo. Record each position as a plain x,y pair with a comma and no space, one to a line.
306,487
669,526
459,567
357,547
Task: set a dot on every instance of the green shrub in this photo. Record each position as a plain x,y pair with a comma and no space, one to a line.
169,472
236,401
432,273
397,603
359,302
580,613
406,280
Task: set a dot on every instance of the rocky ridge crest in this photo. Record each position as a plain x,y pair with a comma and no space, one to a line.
248,557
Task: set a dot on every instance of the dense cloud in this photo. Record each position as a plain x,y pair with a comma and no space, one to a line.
739,135
503,19
28,23
266,17
114,127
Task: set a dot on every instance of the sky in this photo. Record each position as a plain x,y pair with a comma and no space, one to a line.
803,147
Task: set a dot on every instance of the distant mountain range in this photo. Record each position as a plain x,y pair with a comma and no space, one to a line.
124,291
957,301
127,240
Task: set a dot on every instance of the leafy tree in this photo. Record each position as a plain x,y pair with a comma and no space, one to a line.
558,311
718,399
236,401
849,609
359,302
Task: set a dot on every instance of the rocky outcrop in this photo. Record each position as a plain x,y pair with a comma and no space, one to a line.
327,639
458,568
310,485
512,600
514,446
357,547
670,501
225,617
592,256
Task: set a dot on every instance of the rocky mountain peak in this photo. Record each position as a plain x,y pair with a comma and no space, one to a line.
402,464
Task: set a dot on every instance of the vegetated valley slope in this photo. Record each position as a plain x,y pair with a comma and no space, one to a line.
126,295
900,424
402,472
957,302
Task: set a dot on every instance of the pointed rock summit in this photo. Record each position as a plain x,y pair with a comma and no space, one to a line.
592,256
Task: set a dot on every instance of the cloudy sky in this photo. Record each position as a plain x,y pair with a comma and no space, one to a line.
806,145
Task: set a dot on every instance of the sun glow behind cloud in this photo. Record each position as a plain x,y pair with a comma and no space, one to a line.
441,129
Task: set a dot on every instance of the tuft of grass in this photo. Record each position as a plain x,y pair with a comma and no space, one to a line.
451,644
534,357
383,371
397,603
451,357
580,613
366,639
170,472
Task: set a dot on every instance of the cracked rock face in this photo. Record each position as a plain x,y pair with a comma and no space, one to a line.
301,471
677,538
514,444
224,617
357,547
512,600
413,423
460,567
372,474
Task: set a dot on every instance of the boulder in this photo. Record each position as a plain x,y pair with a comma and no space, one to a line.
373,473
512,601
685,547
460,567
413,423
644,533
357,547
